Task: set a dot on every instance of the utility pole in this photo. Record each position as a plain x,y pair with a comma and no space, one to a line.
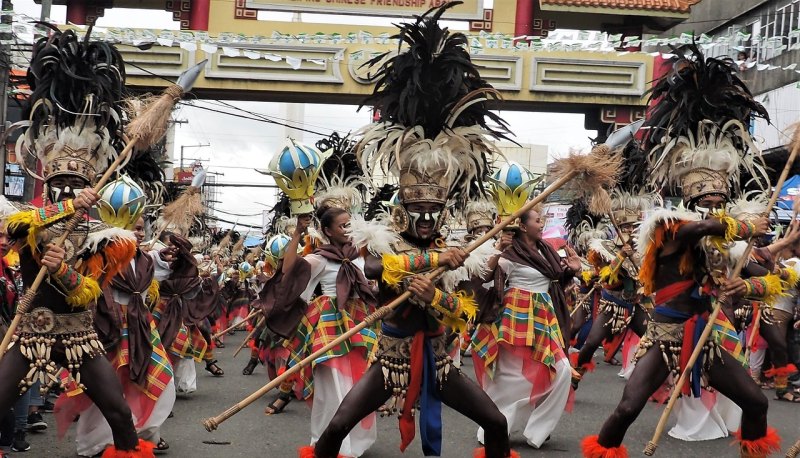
6,36
46,4
202,145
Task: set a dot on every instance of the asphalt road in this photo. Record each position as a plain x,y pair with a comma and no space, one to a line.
252,434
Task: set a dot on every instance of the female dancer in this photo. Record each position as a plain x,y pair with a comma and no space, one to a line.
345,299
127,329
519,351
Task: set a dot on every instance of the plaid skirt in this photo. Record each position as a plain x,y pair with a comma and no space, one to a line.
189,343
159,371
324,322
527,320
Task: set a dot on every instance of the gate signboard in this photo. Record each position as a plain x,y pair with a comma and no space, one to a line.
470,9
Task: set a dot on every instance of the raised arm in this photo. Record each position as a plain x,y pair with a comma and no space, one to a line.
290,258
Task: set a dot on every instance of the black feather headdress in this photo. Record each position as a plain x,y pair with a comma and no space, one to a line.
583,226
75,110
380,204
341,182
434,122
696,135
279,216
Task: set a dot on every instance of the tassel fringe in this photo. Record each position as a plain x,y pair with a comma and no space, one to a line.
762,447
775,288
481,453
85,294
153,292
394,269
143,450
591,448
308,452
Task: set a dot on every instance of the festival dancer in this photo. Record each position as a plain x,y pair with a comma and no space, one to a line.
777,316
15,421
519,348
479,217
619,311
683,266
281,318
431,135
582,228
329,315
184,303
75,125
129,333
336,267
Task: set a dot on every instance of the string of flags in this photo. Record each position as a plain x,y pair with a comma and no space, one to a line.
235,44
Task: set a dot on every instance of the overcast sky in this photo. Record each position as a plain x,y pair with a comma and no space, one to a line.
238,145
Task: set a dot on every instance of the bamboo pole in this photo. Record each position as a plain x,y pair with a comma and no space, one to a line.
238,325
213,423
582,300
249,336
794,450
651,446
752,339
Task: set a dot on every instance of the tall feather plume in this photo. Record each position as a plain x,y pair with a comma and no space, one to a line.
342,161
342,178
433,108
635,168
379,204
579,218
76,87
279,211
64,70
701,106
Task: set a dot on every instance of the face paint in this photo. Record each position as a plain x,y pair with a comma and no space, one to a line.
63,193
704,212
423,217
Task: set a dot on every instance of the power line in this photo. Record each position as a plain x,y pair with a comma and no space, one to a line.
237,223
268,121
257,116
237,214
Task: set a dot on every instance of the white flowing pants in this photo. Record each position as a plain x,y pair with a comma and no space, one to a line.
330,388
511,392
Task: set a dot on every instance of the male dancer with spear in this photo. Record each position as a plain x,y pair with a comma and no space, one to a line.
442,147
75,124
75,129
696,138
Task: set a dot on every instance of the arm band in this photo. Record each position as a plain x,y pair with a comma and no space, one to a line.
81,290
398,266
451,307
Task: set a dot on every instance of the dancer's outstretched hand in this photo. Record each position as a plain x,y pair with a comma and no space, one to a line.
573,261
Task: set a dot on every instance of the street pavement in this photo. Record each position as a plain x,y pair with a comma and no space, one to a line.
252,434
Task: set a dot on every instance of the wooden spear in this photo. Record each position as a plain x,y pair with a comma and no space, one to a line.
794,450
249,336
252,314
146,129
598,170
651,446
